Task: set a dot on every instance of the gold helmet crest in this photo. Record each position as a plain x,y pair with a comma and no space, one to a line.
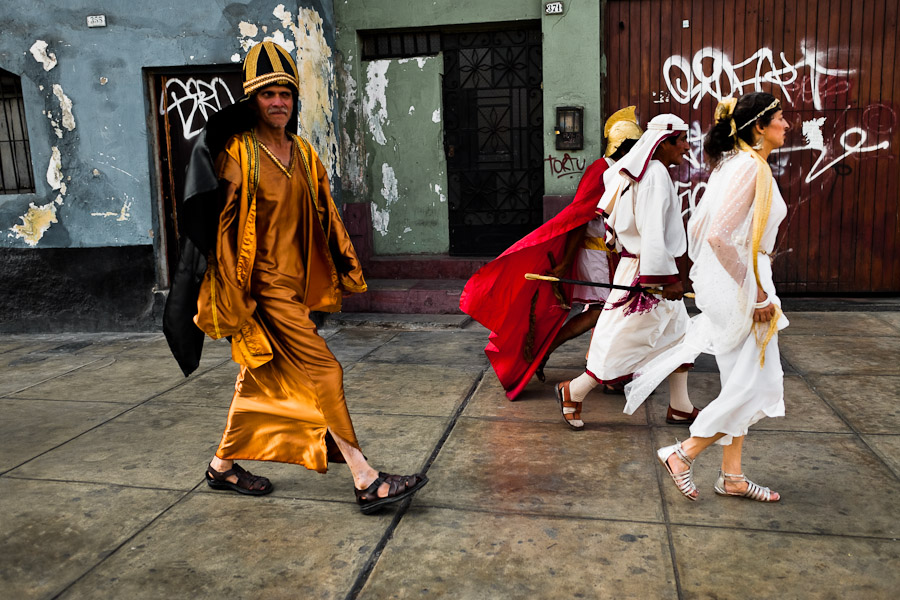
620,126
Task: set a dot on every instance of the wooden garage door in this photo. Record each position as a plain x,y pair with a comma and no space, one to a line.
832,63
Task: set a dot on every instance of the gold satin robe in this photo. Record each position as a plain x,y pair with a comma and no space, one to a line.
281,251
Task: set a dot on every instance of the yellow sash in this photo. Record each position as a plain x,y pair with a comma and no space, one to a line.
762,204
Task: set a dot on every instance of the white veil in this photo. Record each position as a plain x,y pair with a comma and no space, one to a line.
720,245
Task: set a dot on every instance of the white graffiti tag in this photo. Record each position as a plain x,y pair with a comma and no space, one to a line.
712,73
851,142
194,100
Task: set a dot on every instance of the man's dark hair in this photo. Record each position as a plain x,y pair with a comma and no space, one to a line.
623,149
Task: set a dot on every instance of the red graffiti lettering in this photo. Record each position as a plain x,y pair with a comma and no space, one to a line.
567,166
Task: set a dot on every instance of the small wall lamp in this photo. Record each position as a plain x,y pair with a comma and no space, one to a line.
569,127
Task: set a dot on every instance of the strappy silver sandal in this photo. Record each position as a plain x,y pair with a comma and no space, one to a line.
753,491
684,481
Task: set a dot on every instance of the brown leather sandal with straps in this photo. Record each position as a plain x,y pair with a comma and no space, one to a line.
246,483
399,487
564,400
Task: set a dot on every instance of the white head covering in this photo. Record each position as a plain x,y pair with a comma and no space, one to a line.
634,164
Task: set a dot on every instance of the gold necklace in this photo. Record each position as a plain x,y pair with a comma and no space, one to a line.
278,163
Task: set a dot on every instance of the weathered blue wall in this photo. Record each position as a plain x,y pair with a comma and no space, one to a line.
100,190
81,253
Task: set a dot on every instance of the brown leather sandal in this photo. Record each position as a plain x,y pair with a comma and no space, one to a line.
400,487
564,400
684,418
247,483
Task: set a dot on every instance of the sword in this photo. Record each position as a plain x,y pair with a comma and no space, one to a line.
629,288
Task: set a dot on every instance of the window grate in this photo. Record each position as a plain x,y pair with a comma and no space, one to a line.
376,46
16,175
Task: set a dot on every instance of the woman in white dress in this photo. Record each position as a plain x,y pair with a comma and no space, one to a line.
731,237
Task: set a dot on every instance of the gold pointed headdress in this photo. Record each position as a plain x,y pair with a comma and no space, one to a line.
267,63
620,126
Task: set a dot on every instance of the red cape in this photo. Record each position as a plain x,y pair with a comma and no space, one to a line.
499,297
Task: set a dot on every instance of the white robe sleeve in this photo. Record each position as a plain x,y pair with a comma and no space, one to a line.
652,216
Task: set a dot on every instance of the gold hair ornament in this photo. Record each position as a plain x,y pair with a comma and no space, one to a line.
725,110
774,104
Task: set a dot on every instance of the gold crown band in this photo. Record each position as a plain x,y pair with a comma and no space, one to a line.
270,79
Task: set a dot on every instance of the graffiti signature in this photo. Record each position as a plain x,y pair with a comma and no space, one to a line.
194,100
567,166
688,79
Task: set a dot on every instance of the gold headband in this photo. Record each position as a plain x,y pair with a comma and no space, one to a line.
774,104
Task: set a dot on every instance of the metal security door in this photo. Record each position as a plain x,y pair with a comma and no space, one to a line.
493,119
183,103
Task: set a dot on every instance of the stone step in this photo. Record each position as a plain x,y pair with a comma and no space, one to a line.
408,296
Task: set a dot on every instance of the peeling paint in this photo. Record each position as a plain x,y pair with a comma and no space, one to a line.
235,58
40,54
380,220
389,184
65,105
441,196
375,101
412,109
278,38
35,222
421,60
54,170
281,13
316,70
248,29
54,125
436,116
407,229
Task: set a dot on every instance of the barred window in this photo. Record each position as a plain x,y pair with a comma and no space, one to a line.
379,45
16,176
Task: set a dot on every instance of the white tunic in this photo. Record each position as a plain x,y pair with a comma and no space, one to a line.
720,233
647,222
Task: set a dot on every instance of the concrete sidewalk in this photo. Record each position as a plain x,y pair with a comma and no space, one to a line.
104,445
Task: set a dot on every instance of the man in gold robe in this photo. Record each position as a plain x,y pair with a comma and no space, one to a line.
281,251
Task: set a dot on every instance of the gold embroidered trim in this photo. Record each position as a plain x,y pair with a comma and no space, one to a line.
269,79
287,171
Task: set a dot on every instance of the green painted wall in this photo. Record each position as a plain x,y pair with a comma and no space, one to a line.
571,63
405,151
415,221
